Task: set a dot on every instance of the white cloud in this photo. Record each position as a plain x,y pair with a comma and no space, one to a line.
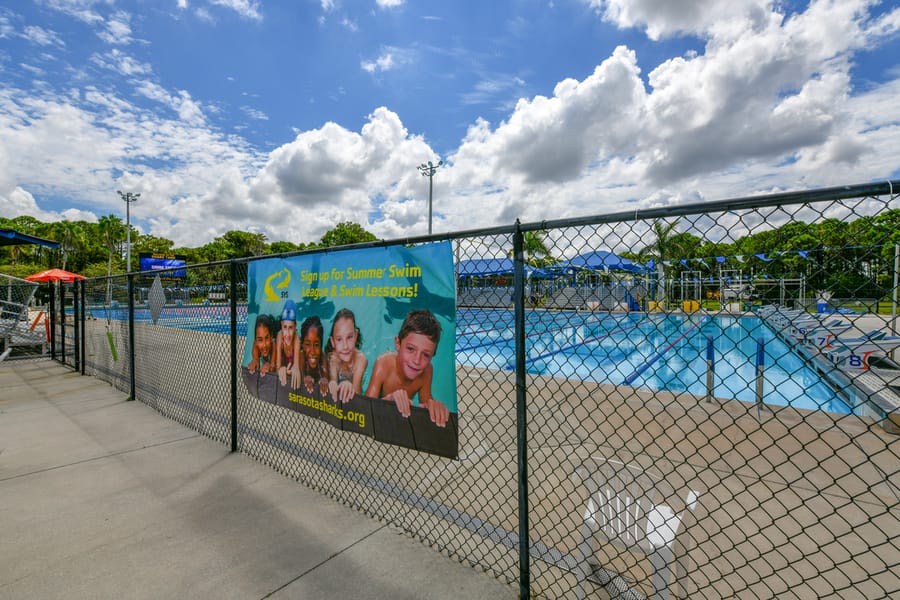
118,29
254,113
181,102
78,9
20,202
555,139
203,14
718,121
390,3
35,71
6,28
330,174
493,91
246,8
104,143
121,63
385,62
664,18
887,25
42,37
390,58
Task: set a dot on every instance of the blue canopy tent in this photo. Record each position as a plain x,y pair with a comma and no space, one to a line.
478,267
601,260
11,237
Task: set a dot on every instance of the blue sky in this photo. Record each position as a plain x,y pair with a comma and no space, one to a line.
286,117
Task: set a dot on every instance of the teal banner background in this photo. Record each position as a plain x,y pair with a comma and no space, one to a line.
380,286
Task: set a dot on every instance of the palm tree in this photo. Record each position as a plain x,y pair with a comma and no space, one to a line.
536,252
71,239
14,251
664,248
111,230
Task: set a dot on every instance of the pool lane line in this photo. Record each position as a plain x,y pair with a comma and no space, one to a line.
583,342
630,379
591,319
532,334
510,366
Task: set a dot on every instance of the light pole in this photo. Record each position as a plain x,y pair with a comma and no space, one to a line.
428,170
128,197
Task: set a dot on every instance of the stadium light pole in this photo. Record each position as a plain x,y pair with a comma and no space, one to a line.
428,170
128,197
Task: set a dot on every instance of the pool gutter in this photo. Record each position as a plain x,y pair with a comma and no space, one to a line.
868,391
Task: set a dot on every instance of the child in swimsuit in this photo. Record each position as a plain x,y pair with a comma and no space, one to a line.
312,364
400,375
346,363
263,353
287,346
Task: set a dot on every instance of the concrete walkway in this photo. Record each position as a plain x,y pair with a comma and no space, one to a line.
104,498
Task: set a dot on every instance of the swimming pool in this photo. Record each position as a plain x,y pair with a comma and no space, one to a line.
653,351
648,350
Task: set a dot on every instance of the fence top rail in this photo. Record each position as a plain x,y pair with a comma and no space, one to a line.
15,280
843,192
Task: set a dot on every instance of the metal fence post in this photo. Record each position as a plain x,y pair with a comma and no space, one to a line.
710,368
83,332
234,375
760,367
521,422
52,317
62,321
76,324
131,393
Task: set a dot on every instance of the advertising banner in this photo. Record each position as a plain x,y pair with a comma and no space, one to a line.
361,339
170,266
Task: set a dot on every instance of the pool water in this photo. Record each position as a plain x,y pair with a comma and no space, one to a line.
652,351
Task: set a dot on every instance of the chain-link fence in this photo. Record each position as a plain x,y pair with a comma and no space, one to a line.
695,402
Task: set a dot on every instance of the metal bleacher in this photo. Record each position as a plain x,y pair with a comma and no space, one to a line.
601,297
485,297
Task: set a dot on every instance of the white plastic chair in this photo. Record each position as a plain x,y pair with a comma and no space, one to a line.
625,509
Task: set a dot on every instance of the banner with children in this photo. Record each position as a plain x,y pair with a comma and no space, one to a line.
362,339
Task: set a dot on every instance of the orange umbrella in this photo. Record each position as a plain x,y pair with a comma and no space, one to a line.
55,275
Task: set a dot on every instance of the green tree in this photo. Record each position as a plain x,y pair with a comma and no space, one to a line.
666,247
25,224
285,247
70,235
152,244
346,233
534,247
245,243
112,231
